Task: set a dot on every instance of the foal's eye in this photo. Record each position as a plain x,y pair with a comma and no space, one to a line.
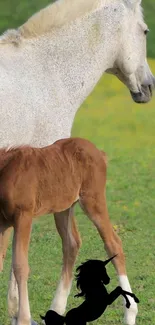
146,31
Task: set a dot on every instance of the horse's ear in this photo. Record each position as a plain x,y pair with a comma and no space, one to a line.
134,3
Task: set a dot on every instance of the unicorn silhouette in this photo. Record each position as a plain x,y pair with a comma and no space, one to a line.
91,280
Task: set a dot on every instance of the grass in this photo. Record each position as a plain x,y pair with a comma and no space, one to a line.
149,13
125,131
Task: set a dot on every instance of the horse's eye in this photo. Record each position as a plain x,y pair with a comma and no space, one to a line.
146,31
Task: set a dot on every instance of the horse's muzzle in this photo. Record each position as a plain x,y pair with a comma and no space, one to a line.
145,95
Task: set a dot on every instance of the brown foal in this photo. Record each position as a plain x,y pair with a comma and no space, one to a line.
37,181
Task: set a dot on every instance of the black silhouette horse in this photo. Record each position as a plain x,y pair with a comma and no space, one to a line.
91,280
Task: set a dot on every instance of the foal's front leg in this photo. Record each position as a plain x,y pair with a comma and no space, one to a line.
22,230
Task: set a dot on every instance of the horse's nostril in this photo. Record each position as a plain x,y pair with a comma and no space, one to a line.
150,89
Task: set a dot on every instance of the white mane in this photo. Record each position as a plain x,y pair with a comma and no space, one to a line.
55,15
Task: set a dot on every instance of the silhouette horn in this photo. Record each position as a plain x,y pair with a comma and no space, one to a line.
107,261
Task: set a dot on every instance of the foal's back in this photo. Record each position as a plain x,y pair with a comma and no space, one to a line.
49,179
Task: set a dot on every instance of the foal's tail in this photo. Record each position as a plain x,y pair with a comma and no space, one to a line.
53,318
105,158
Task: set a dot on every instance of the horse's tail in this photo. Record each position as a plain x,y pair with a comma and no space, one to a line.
53,318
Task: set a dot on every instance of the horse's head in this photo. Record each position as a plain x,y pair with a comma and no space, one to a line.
131,65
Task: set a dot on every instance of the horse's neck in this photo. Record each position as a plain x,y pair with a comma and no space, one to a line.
78,55
52,75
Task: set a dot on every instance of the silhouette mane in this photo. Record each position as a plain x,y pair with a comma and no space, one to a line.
91,276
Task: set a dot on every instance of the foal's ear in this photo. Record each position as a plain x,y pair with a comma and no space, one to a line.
42,317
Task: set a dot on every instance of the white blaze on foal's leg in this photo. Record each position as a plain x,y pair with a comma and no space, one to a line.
71,243
131,313
60,300
13,298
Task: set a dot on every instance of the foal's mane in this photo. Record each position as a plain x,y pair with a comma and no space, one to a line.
7,154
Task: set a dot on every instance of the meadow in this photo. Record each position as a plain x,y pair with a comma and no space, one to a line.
125,131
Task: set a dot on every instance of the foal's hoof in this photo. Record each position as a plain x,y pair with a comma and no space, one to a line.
33,322
14,321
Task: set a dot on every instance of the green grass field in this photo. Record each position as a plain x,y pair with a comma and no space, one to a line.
126,131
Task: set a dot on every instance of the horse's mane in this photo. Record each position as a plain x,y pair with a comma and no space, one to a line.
53,16
56,15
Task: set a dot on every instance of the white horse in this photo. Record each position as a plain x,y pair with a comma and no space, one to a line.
48,66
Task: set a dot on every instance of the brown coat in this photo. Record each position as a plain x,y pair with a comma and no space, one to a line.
37,181
49,179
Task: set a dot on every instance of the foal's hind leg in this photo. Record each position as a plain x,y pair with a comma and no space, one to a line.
4,241
5,233
95,207
71,243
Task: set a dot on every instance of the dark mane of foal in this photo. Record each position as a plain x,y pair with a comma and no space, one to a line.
5,157
13,153
90,275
